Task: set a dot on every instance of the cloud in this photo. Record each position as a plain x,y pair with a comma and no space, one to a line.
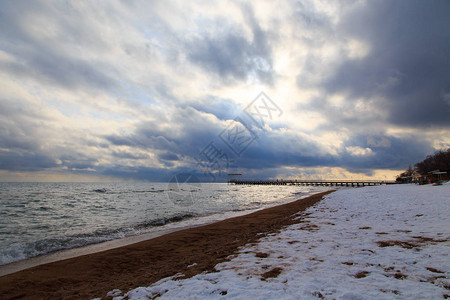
138,90
359,151
223,109
35,39
406,71
169,156
26,161
128,155
230,54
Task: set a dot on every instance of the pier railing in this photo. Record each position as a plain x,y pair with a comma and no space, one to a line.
354,183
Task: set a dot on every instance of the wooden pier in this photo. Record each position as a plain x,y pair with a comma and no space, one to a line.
349,183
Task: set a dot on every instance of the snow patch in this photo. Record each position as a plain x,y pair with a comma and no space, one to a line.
379,242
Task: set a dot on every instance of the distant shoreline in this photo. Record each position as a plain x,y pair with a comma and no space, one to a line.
189,251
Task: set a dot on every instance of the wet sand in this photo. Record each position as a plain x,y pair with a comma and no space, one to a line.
143,263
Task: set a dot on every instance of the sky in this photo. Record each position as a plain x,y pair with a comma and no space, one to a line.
146,90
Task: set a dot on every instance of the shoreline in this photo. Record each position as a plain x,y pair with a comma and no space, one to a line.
370,243
23,264
189,251
31,262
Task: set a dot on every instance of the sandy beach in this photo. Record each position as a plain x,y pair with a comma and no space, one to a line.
371,243
198,150
188,252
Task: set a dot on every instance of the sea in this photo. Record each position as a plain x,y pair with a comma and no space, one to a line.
41,218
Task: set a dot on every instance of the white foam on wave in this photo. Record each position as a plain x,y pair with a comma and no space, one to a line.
85,243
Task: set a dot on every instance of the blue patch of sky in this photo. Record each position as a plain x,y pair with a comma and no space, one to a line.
135,93
65,108
223,109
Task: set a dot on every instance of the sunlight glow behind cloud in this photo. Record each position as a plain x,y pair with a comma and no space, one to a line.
135,90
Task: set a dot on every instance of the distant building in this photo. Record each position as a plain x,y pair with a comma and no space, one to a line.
413,177
434,176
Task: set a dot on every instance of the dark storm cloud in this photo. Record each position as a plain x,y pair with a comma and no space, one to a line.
47,59
408,64
231,55
152,174
67,72
404,80
128,155
273,151
169,156
121,140
19,142
185,131
24,134
396,153
260,158
25,161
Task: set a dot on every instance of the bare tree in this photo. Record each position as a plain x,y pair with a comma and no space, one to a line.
439,161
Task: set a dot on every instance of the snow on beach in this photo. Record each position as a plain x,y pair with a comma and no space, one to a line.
367,243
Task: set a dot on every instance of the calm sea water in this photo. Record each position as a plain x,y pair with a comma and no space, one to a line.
39,218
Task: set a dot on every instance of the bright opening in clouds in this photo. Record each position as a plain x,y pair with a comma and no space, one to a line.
138,89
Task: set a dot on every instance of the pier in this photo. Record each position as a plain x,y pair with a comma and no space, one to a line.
349,183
